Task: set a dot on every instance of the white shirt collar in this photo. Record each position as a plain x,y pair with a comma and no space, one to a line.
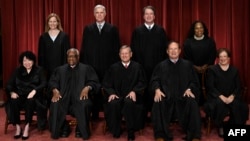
100,23
174,60
125,63
152,25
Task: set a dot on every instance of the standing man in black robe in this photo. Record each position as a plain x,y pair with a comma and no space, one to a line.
176,87
124,84
100,48
71,85
148,44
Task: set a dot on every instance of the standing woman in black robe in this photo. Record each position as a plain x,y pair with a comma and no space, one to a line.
200,49
25,86
53,45
224,93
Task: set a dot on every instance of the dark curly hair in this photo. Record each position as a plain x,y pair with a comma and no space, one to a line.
28,54
192,32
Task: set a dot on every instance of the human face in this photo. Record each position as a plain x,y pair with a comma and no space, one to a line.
53,23
173,51
27,63
72,58
223,58
149,16
99,14
125,55
198,29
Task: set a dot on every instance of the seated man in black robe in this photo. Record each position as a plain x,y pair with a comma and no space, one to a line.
124,83
176,87
71,85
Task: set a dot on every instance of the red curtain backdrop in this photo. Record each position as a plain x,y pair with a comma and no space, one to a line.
227,20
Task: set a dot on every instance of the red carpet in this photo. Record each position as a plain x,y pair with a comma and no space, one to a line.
97,133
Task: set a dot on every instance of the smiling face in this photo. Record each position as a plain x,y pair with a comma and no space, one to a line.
125,54
173,50
149,16
53,23
198,29
72,58
27,63
224,59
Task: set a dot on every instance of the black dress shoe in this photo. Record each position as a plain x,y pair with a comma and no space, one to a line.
64,134
131,137
78,135
116,136
77,132
18,136
170,136
25,138
220,132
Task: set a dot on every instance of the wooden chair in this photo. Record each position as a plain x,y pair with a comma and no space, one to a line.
209,120
73,122
22,114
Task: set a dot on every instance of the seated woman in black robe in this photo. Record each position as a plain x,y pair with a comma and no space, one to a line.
25,88
224,92
124,83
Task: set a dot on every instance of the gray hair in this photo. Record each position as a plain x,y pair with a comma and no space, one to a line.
100,6
125,46
76,51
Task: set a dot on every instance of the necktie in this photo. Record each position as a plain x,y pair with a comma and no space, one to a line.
99,28
126,65
149,27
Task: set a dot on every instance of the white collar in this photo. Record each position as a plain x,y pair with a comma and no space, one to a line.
199,38
151,26
102,23
174,60
126,64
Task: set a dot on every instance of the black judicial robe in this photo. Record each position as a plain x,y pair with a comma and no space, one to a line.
226,83
100,50
70,82
200,52
149,47
120,81
23,83
52,54
174,80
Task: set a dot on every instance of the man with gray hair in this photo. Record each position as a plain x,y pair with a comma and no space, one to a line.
100,46
72,85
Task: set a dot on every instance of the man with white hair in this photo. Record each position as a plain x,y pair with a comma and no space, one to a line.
100,46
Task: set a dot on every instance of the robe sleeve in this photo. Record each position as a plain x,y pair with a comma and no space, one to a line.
155,79
210,80
108,82
92,79
141,82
